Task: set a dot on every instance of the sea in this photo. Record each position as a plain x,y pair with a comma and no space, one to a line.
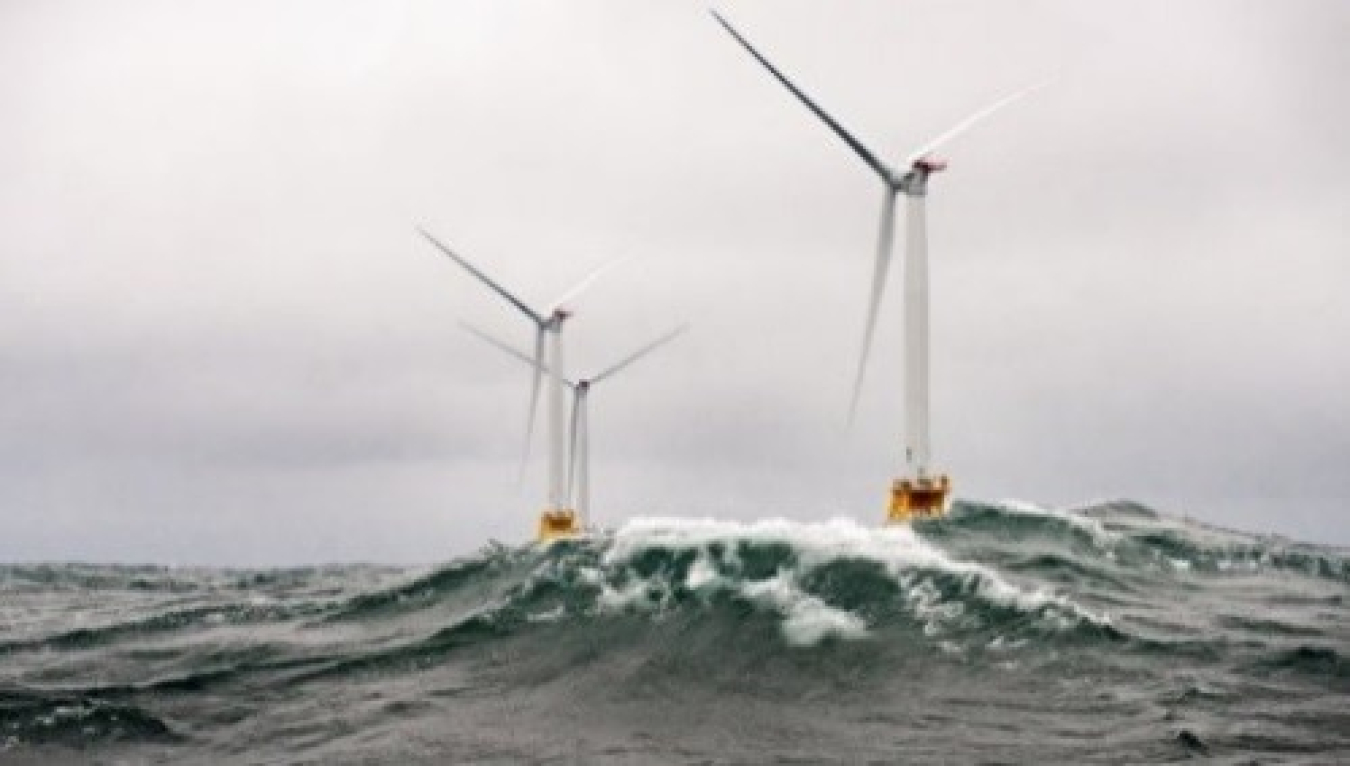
1005,633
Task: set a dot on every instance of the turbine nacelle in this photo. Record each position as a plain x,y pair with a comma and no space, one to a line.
915,182
929,164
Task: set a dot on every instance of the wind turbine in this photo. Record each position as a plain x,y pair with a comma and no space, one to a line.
578,472
918,492
557,519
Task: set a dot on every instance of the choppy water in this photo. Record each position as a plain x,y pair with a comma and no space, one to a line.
1003,634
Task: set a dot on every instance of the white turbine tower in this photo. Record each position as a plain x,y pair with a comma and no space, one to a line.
918,492
578,473
557,519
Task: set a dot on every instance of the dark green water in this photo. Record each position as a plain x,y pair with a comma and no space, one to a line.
1003,634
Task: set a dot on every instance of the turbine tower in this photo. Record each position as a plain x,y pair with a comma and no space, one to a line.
918,492
558,519
578,472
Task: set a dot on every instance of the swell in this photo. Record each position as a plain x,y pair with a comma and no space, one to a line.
1234,554
428,589
39,718
808,585
1010,521
178,620
996,597
91,577
835,581
1006,579
1120,540
814,584
801,588
1323,663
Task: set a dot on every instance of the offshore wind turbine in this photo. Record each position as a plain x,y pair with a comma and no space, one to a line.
578,472
918,492
557,519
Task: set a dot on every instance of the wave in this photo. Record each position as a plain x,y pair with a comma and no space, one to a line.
190,619
1013,518
1000,579
39,718
1164,611
1320,662
801,585
834,579
1123,539
999,574
994,578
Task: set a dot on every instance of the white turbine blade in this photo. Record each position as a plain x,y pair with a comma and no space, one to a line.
520,356
636,355
469,267
501,345
883,262
538,364
856,145
585,283
970,121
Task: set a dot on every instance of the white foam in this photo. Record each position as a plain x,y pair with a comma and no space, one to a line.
549,615
814,542
633,595
1002,644
701,574
807,619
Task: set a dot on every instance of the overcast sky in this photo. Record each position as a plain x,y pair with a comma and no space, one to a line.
223,341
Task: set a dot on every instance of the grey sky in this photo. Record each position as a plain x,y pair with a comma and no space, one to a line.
223,340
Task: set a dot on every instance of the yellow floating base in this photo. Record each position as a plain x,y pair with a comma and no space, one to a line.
924,498
558,524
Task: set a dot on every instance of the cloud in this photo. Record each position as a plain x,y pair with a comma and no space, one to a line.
220,321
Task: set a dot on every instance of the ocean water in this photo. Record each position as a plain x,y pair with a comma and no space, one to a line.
1005,633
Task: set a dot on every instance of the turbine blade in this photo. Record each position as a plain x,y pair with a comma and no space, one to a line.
970,121
520,356
469,267
538,364
883,263
636,355
501,345
586,282
856,145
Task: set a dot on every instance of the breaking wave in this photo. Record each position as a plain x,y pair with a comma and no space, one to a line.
690,606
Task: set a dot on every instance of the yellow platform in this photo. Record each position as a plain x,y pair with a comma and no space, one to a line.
558,524
925,498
